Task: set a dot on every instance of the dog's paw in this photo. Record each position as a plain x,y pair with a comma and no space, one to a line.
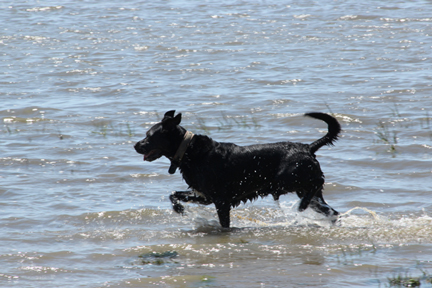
304,204
178,208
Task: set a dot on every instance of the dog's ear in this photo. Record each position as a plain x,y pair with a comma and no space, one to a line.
169,114
177,119
169,122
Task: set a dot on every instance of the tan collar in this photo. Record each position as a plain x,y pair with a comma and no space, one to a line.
175,161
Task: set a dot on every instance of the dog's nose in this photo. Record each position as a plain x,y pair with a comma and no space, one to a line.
138,147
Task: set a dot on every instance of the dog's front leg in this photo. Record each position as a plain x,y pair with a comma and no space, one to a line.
223,211
187,196
174,197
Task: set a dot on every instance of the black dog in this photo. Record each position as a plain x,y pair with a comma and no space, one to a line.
226,174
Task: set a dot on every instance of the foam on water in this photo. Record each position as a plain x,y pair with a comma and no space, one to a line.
358,223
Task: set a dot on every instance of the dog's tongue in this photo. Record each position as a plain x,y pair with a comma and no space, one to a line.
149,155
146,156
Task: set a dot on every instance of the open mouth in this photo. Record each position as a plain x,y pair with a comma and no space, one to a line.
152,155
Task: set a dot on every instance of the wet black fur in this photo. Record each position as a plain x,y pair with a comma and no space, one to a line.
227,174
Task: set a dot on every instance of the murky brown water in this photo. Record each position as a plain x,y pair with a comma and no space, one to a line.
82,81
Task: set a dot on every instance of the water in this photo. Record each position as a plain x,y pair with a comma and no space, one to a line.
81,81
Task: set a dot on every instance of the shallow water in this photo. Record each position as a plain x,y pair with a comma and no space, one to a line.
82,81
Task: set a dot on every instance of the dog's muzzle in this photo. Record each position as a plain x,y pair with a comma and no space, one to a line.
148,155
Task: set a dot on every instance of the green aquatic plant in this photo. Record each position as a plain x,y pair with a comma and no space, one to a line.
406,281
130,131
102,129
427,277
227,122
425,123
395,111
121,131
387,131
108,128
386,136
410,281
158,258
201,124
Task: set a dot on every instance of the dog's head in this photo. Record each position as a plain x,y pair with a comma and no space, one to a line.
162,139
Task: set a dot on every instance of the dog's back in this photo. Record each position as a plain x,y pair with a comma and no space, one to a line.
241,173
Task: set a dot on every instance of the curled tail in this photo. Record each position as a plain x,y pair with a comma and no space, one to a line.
334,129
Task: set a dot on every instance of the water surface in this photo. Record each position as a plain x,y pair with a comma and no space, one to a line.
82,82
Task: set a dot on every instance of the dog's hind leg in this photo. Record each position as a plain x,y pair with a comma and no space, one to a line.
307,192
223,211
320,205
307,197
187,196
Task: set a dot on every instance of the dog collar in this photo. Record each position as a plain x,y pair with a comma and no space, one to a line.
175,161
